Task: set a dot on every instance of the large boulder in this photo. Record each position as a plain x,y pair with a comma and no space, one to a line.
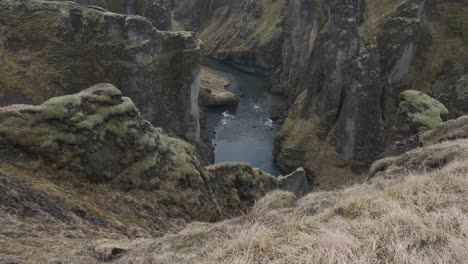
417,114
298,183
54,48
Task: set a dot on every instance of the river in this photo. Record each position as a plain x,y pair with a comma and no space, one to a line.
244,133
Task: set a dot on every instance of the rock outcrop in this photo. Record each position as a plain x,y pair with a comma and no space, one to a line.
239,185
55,48
298,183
101,137
417,114
100,134
157,11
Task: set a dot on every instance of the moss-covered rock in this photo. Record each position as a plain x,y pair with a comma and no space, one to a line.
101,135
51,48
417,114
237,185
419,111
102,138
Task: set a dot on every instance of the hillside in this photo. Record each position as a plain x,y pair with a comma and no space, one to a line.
401,215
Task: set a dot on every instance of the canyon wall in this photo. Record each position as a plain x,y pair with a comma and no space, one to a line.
343,65
52,48
364,54
243,33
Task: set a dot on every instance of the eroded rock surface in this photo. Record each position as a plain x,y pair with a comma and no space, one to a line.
298,183
55,48
157,11
101,135
346,71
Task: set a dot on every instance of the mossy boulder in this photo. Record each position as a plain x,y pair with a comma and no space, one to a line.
51,48
417,114
101,135
237,185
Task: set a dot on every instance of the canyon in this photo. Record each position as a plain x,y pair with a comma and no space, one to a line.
233,131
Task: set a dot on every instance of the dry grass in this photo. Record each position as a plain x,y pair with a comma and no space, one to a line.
420,218
417,217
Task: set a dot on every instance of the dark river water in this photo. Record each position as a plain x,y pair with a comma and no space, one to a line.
245,133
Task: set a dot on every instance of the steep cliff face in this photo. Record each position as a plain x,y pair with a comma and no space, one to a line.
244,33
353,63
55,48
304,20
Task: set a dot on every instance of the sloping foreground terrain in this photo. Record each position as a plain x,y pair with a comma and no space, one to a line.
412,208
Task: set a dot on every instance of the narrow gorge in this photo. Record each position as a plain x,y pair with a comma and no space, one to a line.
233,131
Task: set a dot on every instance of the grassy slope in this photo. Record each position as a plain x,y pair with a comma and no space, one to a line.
398,217
234,32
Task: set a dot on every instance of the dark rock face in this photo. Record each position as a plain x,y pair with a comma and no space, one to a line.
64,48
343,90
346,71
402,37
304,21
298,182
157,11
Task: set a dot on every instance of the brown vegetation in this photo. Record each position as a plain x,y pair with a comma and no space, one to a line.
397,217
